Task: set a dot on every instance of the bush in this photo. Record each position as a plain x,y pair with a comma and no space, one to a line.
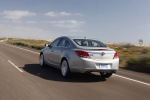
140,65
36,47
132,62
128,45
144,51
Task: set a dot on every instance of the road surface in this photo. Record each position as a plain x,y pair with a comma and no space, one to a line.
21,78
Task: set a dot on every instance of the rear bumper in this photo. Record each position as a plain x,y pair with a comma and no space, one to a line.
83,65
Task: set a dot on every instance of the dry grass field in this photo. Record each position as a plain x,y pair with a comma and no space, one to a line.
133,57
30,43
2,38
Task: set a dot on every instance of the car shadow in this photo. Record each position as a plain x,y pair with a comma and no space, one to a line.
50,73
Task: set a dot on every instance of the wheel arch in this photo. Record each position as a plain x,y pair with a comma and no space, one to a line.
41,53
63,58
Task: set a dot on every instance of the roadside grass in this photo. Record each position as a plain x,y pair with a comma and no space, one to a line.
30,43
140,64
2,38
136,58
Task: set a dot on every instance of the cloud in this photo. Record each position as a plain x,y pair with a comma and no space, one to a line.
57,14
67,23
60,14
23,32
17,14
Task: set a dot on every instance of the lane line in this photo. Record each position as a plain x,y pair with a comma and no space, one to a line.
22,48
14,66
132,79
113,74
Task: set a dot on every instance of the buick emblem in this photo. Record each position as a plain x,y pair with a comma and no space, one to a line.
103,53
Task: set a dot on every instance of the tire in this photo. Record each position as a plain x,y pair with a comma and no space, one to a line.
65,71
42,62
105,75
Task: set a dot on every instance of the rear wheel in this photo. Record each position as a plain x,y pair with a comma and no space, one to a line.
105,75
65,71
42,62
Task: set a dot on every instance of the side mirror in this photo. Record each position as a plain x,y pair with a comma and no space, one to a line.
46,45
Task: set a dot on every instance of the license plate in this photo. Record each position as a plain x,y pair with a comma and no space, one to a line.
104,66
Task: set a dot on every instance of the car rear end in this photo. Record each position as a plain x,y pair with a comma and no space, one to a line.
94,59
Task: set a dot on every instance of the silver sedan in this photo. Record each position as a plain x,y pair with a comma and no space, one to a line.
73,54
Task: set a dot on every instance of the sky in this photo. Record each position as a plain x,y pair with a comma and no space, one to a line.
105,20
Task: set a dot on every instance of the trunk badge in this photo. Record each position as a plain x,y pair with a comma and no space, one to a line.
103,53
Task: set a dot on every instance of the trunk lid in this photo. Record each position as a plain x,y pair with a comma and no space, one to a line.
101,53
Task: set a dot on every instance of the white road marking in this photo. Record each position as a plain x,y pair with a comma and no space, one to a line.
132,79
22,49
113,74
15,66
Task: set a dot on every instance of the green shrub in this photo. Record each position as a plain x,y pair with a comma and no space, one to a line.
140,65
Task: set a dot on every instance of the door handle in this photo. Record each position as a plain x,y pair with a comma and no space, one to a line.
52,50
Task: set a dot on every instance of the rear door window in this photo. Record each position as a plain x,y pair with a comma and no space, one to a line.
64,42
55,42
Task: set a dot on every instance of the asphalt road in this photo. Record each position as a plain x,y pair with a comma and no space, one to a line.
21,78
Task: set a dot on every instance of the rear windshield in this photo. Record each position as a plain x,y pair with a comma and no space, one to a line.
89,43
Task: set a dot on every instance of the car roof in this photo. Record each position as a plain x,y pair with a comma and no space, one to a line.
76,37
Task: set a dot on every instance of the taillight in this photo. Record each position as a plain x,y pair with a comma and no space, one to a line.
82,54
115,55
